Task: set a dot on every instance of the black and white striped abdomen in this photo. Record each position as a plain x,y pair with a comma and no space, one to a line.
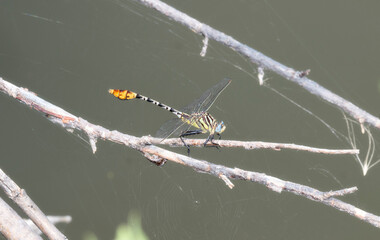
161,105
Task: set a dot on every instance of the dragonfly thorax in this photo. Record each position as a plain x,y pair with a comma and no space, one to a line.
204,121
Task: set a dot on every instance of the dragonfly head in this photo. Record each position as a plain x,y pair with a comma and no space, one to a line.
220,128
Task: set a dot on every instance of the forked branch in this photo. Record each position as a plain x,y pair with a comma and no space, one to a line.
159,155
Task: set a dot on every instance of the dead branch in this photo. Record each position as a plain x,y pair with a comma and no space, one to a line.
12,226
159,156
248,145
264,62
20,197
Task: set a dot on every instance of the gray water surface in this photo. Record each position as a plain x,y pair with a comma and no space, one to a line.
71,52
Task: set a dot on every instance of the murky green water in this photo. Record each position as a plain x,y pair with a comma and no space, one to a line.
71,52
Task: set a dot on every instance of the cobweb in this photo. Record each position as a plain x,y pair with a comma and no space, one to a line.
351,133
179,194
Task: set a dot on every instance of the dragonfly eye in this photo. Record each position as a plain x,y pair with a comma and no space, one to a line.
220,128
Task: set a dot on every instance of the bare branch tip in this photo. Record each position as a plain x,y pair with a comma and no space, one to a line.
226,181
93,141
205,45
341,192
260,75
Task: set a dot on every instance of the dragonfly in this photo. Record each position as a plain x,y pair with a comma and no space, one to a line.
193,115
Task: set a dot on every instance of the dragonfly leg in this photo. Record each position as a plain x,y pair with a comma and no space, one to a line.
189,133
210,139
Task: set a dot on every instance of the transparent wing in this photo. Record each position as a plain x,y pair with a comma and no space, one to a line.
204,102
174,126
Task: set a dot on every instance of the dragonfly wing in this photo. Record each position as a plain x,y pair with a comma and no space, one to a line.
174,127
204,102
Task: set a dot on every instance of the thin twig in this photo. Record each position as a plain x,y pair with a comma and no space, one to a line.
264,62
20,197
205,45
159,155
340,192
53,219
248,145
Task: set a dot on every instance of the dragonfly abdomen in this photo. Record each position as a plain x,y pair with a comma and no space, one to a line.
128,95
